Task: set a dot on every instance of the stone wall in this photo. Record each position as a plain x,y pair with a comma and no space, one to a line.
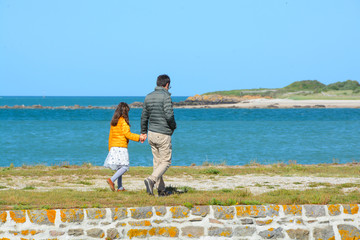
201,222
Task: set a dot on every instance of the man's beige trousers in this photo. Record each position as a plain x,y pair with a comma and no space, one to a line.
162,150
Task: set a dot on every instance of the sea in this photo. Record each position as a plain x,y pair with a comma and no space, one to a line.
203,136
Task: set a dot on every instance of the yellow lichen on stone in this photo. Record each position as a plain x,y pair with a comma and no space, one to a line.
164,231
173,231
275,207
145,223
293,209
99,214
333,209
354,209
137,233
225,234
33,232
51,214
18,219
25,232
248,210
71,215
3,216
346,235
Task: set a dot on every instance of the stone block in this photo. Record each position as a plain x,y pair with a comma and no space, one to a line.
273,210
30,232
118,213
334,210
314,210
42,217
351,208
264,222
211,220
272,233
72,215
96,213
294,210
324,233
54,233
164,232
348,231
202,211
192,231
3,216
112,233
141,212
18,216
225,213
144,223
244,231
75,232
198,219
160,211
251,211
180,212
95,233
137,233
247,221
220,232
298,234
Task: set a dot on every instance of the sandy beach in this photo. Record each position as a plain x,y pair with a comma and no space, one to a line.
284,103
248,103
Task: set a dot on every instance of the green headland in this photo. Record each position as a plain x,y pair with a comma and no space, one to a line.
301,90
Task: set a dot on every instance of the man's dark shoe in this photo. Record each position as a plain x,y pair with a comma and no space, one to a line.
149,184
163,193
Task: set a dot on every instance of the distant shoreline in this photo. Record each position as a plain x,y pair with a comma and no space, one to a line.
251,104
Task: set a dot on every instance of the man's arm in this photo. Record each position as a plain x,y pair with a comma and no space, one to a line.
169,112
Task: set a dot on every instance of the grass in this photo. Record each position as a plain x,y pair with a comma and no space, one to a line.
325,193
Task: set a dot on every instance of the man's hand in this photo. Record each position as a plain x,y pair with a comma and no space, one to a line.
143,138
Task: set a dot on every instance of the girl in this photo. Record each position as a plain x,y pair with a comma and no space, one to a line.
118,157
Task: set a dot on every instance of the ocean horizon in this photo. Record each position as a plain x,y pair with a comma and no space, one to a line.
217,136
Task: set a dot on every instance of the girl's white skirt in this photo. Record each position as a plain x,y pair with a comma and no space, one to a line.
116,158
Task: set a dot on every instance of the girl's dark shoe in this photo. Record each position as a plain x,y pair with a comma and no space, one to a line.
111,184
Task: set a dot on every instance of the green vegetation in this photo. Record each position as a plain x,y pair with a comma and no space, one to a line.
301,90
326,192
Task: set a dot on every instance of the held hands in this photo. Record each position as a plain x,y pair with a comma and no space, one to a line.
143,137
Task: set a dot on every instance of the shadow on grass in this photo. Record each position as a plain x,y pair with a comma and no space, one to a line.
170,190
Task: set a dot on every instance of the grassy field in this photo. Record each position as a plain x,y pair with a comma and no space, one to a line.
30,197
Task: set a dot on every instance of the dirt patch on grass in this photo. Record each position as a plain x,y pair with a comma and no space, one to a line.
256,184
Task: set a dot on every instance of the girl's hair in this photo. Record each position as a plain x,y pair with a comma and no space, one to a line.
122,110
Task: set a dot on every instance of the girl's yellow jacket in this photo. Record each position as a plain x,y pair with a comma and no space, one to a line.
120,135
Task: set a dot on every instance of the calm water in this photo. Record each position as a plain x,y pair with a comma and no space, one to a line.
234,136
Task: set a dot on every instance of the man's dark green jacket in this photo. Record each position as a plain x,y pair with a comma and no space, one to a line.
158,114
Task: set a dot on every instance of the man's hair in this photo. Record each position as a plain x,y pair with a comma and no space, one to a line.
162,80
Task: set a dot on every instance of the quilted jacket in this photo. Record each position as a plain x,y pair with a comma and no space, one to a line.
158,114
120,134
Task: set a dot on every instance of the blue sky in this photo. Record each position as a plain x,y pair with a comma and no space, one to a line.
119,47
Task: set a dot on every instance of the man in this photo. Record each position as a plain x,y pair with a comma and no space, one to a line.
158,124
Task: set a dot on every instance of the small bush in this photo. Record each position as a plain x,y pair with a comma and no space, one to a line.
188,205
211,171
214,201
